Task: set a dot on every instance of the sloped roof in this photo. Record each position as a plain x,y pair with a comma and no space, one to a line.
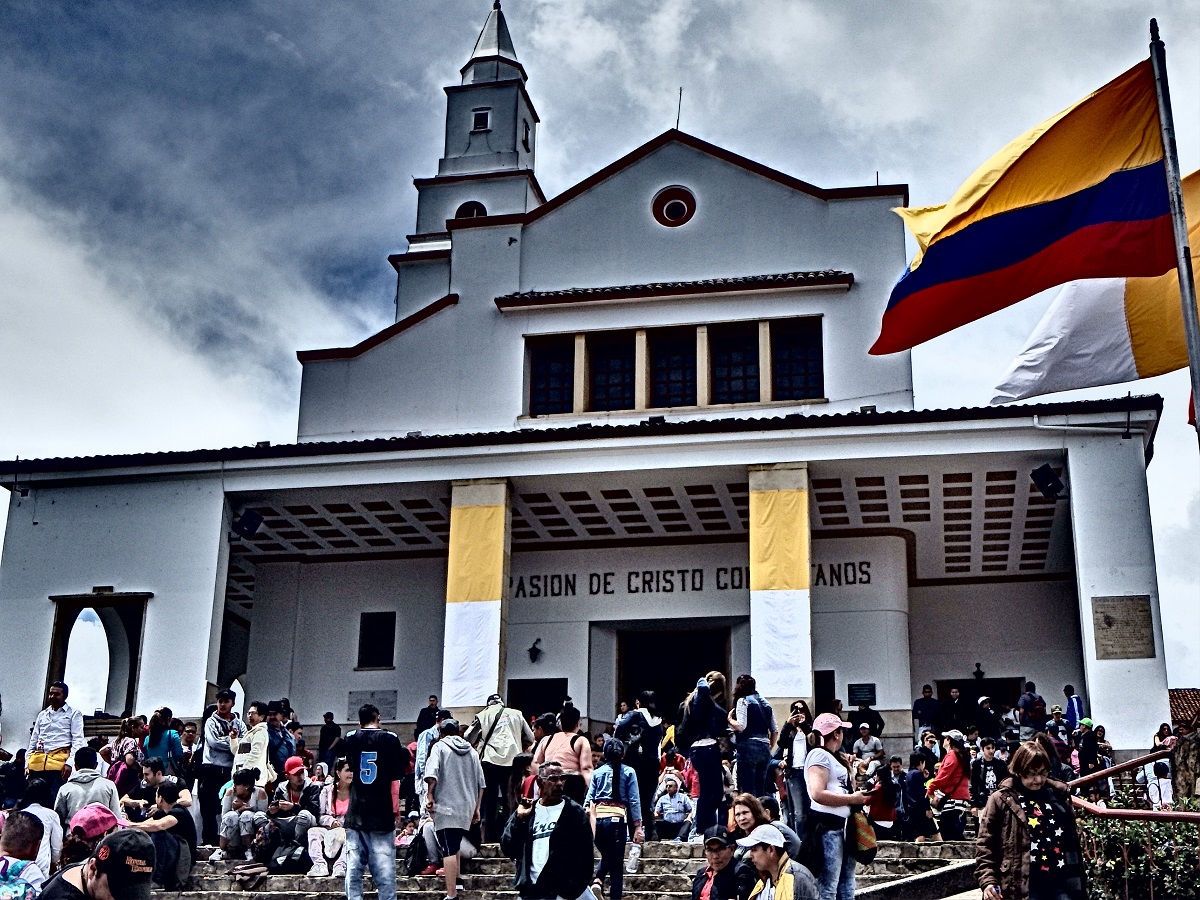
652,426
1185,705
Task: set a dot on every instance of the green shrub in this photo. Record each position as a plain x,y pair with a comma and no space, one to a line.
1141,859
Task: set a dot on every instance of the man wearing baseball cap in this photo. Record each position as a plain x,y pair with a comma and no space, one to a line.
779,877
119,869
724,878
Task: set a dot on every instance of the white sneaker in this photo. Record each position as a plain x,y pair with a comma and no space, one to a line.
320,869
217,855
339,870
250,855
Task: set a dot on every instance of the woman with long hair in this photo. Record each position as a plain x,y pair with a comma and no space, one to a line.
571,750
950,789
241,803
523,780
746,813
790,751
752,722
613,803
703,723
163,741
1059,770
642,732
1028,848
129,738
827,772
1160,736
327,841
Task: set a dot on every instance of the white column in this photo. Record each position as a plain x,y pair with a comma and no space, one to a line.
1123,658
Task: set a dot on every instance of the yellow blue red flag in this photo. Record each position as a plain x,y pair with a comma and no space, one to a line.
1082,195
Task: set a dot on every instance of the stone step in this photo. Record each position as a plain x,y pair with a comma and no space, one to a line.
437,894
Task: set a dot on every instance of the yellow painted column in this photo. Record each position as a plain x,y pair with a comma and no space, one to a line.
781,656
473,653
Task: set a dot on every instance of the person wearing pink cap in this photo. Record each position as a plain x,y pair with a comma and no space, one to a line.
827,774
86,829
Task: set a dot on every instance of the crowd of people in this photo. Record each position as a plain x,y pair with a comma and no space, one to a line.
777,809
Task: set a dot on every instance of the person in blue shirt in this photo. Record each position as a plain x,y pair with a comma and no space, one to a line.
1074,710
674,811
613,802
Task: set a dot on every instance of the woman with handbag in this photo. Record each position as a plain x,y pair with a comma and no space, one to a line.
950,790
827,775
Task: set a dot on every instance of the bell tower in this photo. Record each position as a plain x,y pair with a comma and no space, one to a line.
491,137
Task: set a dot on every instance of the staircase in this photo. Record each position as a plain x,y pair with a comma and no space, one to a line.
665,871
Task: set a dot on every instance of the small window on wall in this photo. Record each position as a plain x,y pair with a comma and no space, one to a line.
377,640
525,136
472,209
612,372
551,375
481,120
672,367
796,360
733,350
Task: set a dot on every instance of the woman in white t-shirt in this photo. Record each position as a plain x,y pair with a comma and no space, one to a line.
830,798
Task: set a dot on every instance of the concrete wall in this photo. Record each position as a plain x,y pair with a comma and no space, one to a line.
165,537
745,224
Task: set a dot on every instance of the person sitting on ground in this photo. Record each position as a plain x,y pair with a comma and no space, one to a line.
1027,844
327,841
549,841
919,823
779,877
242,801
19,844
85,786
868,752
140,803
724,877
85,830
39,795
986,774
173,833
747,813
296,803
673,812
571,750
120,868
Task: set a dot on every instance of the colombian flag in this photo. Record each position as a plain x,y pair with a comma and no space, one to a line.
1083,195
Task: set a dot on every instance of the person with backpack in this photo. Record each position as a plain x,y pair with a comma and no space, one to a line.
172,831
20,876
641,731
1032,710
613,803
498,733
571,750
122,862
753,723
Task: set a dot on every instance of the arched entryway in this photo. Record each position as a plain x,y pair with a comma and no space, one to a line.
122,615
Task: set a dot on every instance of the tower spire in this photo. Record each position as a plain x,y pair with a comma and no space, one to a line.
494,58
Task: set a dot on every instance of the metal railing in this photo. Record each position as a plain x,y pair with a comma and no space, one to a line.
1133,852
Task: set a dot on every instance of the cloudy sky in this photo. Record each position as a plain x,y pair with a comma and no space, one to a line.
190,192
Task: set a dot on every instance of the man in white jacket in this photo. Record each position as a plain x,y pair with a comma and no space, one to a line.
85,786
253,746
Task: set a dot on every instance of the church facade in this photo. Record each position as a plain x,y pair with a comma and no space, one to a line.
613,440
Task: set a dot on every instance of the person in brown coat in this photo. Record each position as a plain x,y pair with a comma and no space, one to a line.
1028,848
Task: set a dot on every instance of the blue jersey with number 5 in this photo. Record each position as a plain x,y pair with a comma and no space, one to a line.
377,758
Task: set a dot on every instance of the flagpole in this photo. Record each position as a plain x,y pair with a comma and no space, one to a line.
1183,255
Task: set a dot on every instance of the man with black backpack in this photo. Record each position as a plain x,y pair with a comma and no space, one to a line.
641,731
1032,709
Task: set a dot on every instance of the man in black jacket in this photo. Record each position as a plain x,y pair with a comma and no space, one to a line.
550,842
730,879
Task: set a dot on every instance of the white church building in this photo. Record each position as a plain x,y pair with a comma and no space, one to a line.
613,440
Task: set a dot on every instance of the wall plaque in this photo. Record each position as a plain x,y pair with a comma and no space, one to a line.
385,700
1124,628
861,694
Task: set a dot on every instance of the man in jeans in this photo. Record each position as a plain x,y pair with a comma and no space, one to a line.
374,814
222,728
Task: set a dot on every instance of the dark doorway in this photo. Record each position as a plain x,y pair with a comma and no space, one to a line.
668,662
824,690
1000,690
534,696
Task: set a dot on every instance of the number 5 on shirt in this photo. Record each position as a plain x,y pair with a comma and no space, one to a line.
367,769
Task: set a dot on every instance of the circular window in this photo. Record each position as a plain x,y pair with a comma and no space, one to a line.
674,206
472,209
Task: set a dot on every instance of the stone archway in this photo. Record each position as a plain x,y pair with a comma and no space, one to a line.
122,615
